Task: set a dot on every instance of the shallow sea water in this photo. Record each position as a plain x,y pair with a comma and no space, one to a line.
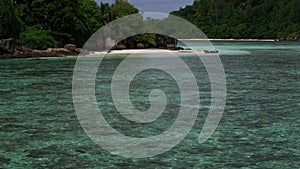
259,129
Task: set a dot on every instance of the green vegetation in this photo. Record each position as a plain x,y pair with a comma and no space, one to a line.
122,8
36,38
44,23
244,19
148,40
67,21
9,25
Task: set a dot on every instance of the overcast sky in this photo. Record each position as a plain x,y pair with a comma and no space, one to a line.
164,6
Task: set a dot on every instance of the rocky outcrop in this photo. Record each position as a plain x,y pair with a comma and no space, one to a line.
70,47
162,42
7,46
288,39
166,42
8,49
119,47
140,46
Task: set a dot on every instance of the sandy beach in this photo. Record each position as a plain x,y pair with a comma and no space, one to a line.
146,51
139,51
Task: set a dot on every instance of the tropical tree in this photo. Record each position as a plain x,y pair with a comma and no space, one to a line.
9,25
244,19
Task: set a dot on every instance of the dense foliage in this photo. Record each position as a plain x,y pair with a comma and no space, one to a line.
67,21
9,25
148,40
36,38
244,18
46,23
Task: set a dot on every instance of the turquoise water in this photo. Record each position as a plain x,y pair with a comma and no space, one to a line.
260,127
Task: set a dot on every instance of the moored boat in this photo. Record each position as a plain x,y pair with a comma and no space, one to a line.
211,51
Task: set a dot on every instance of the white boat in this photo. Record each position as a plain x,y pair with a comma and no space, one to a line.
211,51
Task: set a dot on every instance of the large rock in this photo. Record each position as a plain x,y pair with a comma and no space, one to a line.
24,49
70,47
50,52
7,46
171,46
8,49
163,41
83,52
62,51
140,46
119,47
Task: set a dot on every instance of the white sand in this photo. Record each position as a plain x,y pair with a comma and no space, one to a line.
145,51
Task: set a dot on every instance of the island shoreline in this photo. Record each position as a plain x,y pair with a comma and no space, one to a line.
70,50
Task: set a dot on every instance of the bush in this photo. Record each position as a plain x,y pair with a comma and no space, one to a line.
36,38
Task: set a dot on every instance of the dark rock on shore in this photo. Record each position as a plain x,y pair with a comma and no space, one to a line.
70,47
140,46
7,46
166,42
288,39
119,47
162,42
179,48
9,50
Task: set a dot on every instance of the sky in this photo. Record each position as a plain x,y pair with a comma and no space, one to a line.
164,6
